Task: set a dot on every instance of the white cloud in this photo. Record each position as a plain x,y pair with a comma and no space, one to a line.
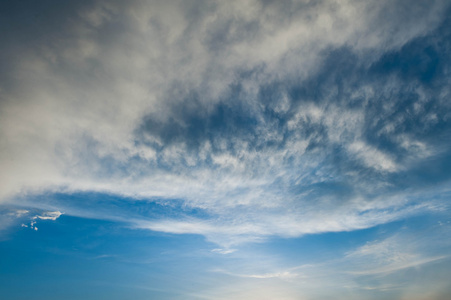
373,157
389,264
393,254
49,215
70,121
286,275
19,213
394,267
57,127
243,225
223,251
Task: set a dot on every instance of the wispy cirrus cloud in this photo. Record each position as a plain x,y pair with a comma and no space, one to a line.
384,267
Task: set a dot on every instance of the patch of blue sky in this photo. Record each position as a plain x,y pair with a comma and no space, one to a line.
95,258
98,258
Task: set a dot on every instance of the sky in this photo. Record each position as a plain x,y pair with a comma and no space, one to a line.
252,149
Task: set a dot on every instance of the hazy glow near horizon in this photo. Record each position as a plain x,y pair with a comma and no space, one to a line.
225,149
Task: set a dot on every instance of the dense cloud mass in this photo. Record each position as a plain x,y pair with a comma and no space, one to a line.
271,118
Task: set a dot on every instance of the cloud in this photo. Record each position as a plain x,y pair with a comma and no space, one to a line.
285,275
391,265
399,266
19,213
12,217
388,256
270,118
372,157
49,215
223,251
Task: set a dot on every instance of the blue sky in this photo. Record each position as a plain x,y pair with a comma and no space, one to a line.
225,150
